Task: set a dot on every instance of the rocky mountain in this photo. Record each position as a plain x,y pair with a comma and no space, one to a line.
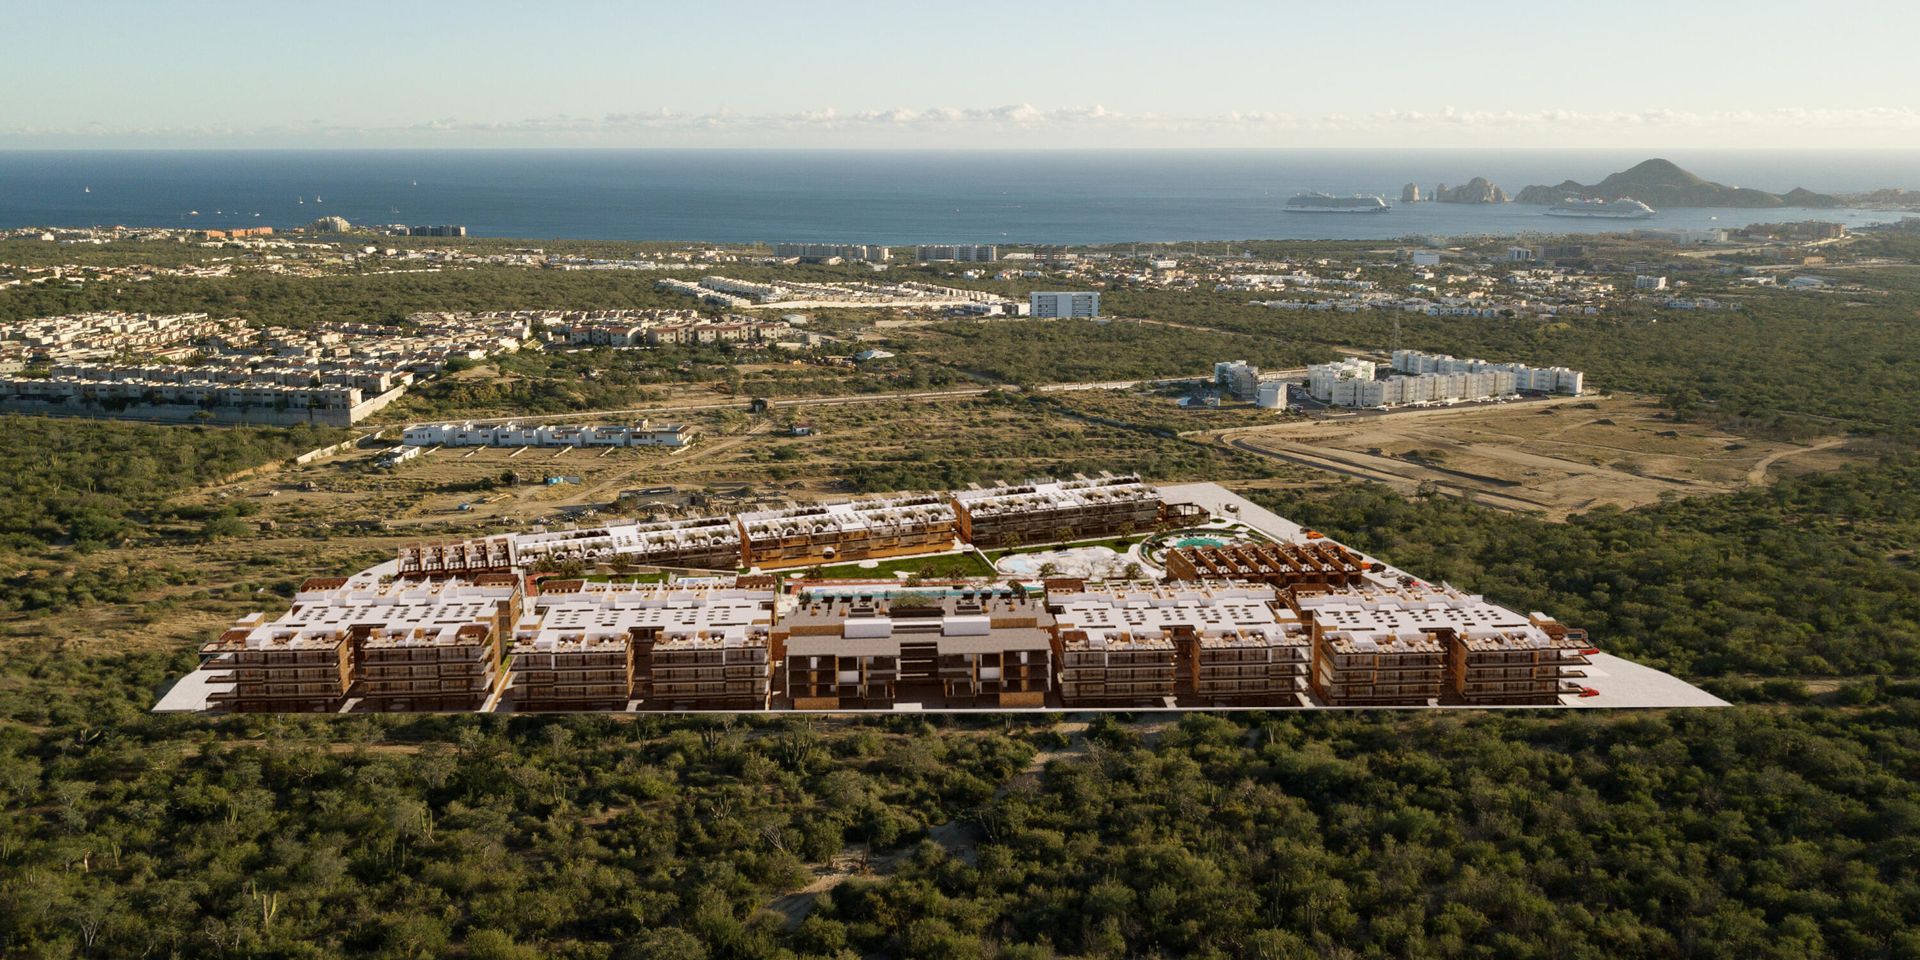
1477,190
1410,193
1661,183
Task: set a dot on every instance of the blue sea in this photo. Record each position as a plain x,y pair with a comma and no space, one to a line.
876,196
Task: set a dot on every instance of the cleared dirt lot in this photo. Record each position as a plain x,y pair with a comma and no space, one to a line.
1554,457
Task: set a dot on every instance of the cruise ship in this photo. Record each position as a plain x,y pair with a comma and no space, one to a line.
1328,203
1624,208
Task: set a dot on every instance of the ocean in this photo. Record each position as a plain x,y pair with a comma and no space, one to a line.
890,197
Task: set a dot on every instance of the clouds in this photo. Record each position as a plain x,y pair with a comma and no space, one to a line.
1024,124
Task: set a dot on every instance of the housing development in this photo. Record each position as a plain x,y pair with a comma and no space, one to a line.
188,367
1224,605
1421,378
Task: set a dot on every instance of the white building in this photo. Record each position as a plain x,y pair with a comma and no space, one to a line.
1085,304
511,434
1322,377
1525,378
1237,379
871,253
1649,283
1272,394
963,252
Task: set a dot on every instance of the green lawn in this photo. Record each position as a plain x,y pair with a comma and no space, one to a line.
942,567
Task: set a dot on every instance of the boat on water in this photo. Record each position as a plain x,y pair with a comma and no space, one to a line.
1328,203
1625,208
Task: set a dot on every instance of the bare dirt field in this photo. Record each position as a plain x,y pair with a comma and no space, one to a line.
1555,457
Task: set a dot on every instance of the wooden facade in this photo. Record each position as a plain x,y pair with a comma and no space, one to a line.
1050,511
840,532
1279,565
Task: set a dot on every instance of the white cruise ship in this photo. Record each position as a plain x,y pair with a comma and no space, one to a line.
1624,208
1328,203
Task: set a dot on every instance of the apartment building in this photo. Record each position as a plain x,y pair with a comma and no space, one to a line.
1271,394
514,434
442,645
703,543
1056,304
868,252
1237,379
963,252
1322,378
459,558
1278,565
288,665
1525,377
334,374
394,644
155,399
244,371
1110,651
1139,642
1534,665
601,645
650,328
974,648
855,530
1044,511
101,335
1412,646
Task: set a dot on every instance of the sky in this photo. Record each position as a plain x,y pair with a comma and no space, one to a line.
1756,74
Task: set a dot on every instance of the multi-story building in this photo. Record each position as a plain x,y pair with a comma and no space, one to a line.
396,644
1531,666
1323,378
1271,394
289,665
1237,379
592,645
704,543
1145,642
868,252
1106,653
513,434
1278,565
1043,511
1524,377
459,558
856,530
1432,378
442,644
1056,304
101,335
963,252
1415,645
986,647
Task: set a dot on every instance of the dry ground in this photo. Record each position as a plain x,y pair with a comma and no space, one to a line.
341,513
1551,457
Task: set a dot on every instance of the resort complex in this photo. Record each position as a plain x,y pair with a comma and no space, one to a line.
1208,602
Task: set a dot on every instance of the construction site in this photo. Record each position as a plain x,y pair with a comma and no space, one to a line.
1286,619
